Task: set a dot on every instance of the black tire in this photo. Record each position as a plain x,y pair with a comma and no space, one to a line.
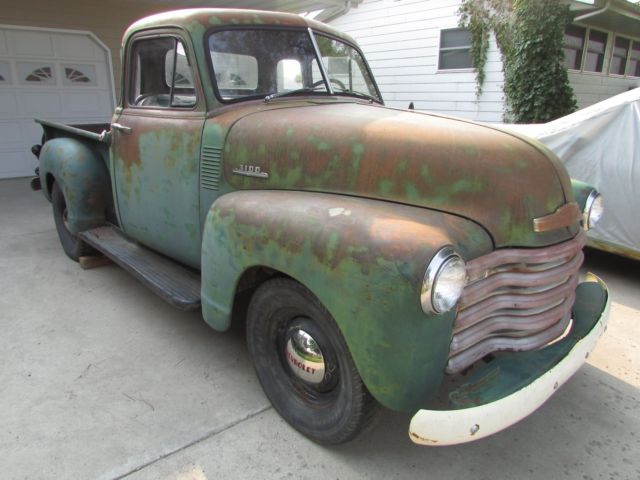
340,406
72,245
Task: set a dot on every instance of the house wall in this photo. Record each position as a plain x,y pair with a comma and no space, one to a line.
400,39
592,87
106,20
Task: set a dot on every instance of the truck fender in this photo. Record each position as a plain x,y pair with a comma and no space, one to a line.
82,176
363,259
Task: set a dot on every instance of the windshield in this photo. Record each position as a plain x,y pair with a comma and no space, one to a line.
260,62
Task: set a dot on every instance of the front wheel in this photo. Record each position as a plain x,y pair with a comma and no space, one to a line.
71,244
304,365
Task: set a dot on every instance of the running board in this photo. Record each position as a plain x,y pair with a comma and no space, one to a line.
174,283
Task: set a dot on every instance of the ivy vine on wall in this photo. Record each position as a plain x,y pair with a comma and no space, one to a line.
529,35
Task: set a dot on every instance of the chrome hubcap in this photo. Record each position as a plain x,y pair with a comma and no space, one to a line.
304,357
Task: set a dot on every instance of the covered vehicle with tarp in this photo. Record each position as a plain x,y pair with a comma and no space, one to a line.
600,145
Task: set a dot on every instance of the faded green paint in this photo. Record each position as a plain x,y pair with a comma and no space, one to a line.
364,260
581,192
79,168
157,180
473,171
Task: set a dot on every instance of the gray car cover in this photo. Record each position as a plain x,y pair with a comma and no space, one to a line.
600,145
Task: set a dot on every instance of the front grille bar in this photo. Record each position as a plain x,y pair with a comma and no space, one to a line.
517,300
493,344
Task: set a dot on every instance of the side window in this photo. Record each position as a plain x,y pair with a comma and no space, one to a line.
574,37
455,49
585,49
633,68
162,75
596,46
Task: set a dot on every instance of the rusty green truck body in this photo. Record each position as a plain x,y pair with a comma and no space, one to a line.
303,174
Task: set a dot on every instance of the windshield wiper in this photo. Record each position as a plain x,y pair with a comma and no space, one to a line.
356,94
286,93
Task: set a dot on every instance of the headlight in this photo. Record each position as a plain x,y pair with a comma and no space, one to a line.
593,210
443,282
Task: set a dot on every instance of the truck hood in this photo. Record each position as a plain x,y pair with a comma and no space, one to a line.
491,177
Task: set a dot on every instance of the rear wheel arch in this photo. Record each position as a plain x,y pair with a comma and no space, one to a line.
72,245
50,180
80,172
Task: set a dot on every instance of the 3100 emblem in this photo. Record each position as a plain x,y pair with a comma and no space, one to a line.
250,171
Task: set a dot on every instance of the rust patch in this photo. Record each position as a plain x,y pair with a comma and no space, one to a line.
424,439
420,160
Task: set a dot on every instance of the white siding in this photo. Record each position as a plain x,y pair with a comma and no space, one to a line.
592,88
400,39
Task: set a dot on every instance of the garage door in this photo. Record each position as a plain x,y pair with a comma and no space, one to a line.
64,76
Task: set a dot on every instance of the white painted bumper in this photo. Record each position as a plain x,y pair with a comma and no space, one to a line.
451,427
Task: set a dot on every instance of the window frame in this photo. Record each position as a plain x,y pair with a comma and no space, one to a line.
439,67
133,68
584,46
606,59
369,72
608,53
632,41
626,59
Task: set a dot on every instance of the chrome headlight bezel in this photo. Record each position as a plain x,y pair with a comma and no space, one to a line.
593,209
442,262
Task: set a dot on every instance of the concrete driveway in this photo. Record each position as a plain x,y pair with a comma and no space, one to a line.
101,379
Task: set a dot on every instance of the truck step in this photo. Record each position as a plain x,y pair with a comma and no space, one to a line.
175,283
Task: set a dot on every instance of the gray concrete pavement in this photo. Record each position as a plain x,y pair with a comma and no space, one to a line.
101,379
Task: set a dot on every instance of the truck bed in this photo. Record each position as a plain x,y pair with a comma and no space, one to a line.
94,131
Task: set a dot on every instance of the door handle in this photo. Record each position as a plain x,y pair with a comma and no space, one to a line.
121,128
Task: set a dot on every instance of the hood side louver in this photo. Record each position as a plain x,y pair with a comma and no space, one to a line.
210,168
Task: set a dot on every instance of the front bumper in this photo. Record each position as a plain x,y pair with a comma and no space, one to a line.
514,386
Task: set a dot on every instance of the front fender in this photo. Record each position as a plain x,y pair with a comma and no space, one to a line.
363,259
83,178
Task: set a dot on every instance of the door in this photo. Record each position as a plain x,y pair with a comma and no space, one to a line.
58,75
156,148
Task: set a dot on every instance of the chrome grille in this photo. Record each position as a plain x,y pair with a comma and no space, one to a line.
210,168
517,299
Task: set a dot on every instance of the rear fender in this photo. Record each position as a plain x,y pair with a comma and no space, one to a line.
83,178
363,259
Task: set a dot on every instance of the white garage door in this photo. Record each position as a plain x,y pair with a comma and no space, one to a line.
58,75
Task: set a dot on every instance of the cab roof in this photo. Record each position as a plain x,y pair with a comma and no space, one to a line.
198,20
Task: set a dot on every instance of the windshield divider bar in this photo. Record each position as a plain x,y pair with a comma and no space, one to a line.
323,70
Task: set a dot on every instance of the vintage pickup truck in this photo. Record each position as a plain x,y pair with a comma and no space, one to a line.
396,258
